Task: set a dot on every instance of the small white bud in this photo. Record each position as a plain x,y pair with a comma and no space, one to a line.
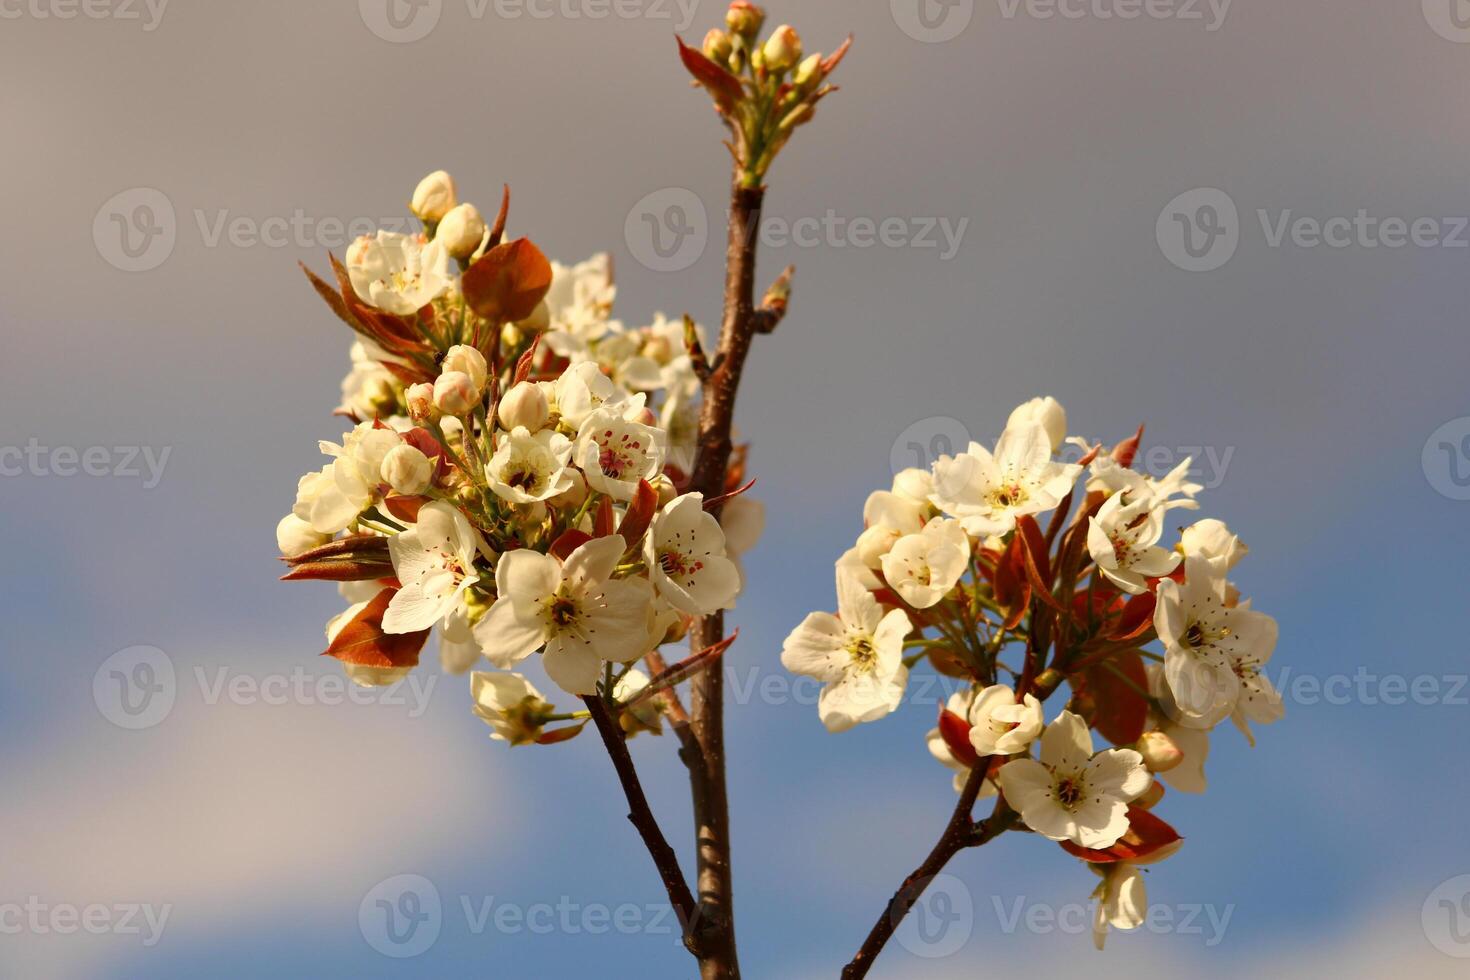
574,496
434,197
455,394
420,399
876,542
1047,413
524,406
407,470
461,231
296,537
468,361
782,51
1159,752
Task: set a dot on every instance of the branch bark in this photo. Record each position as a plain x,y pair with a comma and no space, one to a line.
960,833
641,816
706,756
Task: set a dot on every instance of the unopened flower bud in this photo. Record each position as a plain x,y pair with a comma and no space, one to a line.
469,361
574,496
1047,413
799,116
665,489
874,543
538,322
745,18
407,470
717,46
524,406
782,50
420,399
296,537
646,417
434,197
808,72
1151,796
455,394
1159,752
461,231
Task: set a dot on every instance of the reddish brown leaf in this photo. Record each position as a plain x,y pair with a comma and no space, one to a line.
332,298
602,519
363,643
1137,618
1034,560
1147,837
640,514
956,734
682,671
523,366
508,282
1122,709
1126,450
830,63
719,82
559,735
716,503
497,231
405,508
569,542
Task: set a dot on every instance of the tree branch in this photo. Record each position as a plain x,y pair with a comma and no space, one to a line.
706,759
960,833
642,818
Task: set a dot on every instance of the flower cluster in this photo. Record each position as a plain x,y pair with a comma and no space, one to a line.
1153,643
515,475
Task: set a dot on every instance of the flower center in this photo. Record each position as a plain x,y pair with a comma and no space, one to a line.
1199,635
864,657
1010,495
563,611
522,479
1069,792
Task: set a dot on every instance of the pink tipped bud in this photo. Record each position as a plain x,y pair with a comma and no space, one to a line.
455,394
717,46
745,18
1159,752
524,406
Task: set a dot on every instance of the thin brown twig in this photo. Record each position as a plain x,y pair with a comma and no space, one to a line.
960,833
641,816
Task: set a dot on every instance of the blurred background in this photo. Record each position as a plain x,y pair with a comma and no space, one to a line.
1101,200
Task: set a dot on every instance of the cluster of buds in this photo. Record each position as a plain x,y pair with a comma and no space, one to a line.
954,567
515,478
763,89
